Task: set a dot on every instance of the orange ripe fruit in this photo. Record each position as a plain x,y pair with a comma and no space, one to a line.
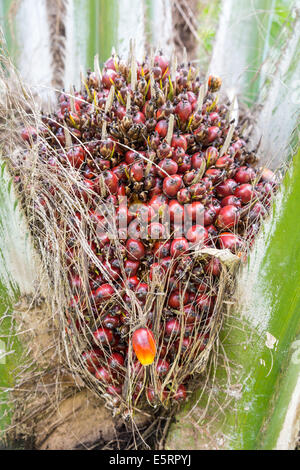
144,345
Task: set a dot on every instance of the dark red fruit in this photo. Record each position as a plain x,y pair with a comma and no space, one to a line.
116,360
76,156
244,192
179,246
104,336
178,298
228,217
162,367
172,327
104,293
168,166
103,375
226,188
135,249
197,234
180,394
183,110
171,185
245,175
110,321
230,241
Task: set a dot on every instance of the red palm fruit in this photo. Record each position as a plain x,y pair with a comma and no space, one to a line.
171,185
137,171
120,112
121,171
135,249
139,118
159,202
228,217
179,141
123,215
103,375
172,327
76,156
110,321
230,241
189,177
142,291
116,360
103,336
180,394
226,188
164,151
162,367
104,293
214,174
29,133
156,231
212,231
178,155
189,313
197,234
131,157
198,190
205,303
114,390
108,77
114,273
258,210
142,211
179,246
214,117
186,344
157,72
176,212
75,282
184,196
162,128
209,216
245,175
168,166
144,345
212,133
167,263
92,358
157,187
111,181
211,156
162,62
132,282
134,229
152,397
244,192
178,298
197,161
195,211
162,249
183,110
131,267
156,272
268,175
224,162
213,267
231,201
185,165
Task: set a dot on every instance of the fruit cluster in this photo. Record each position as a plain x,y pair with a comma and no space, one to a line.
148,155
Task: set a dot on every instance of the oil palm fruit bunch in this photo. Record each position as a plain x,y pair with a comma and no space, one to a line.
141,183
